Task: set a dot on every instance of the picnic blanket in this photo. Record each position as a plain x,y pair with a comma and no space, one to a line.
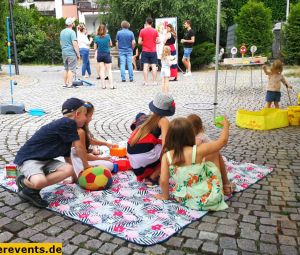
129,209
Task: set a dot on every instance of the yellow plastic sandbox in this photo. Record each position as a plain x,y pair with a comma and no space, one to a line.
294,115
264,119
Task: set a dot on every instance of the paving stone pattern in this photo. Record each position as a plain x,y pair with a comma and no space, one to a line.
264,219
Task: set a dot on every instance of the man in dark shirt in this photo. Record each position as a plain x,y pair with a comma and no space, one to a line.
36,158
188,42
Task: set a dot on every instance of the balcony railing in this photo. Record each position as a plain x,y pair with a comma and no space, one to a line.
87,6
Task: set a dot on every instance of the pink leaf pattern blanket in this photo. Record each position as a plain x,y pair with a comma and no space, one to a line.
129,209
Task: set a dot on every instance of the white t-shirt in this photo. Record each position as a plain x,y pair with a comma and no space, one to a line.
83,41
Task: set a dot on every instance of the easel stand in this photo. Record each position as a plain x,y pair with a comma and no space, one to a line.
12,107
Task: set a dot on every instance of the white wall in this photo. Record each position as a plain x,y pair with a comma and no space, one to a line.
58,9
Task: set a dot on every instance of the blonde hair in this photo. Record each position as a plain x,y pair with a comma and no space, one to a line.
166,52
277,67
146,128
79,110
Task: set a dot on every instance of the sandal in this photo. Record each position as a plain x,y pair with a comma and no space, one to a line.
151,183
228,189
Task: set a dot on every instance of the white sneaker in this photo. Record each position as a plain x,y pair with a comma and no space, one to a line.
187,74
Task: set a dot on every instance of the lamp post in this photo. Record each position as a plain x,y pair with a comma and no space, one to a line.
217,56
287,9
11,3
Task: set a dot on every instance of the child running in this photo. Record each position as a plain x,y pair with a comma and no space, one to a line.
274,84
165,68
198,184
201,137
144,146
87,139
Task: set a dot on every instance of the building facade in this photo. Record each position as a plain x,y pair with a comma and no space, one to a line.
86,11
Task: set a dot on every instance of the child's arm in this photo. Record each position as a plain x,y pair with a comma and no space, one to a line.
164,179
74,176
81,153
286,83
94,141
80,148
215,146
92,157
164,126
267,72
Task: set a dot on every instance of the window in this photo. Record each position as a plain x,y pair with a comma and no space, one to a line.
68,1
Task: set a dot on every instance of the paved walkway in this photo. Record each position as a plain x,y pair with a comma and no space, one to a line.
265,219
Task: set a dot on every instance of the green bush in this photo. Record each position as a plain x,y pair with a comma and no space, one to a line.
202,54
254,27
291,34
37,36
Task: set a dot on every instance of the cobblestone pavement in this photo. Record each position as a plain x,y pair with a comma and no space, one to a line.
264,219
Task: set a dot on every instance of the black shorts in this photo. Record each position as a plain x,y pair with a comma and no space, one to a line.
149,58
104,57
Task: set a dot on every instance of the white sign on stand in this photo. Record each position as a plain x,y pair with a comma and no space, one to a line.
161,27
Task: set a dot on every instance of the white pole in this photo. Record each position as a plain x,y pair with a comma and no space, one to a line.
287,9
217,56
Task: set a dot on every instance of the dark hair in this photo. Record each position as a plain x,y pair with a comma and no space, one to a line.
180,134
149,21
196,123
101,30
173,32
188,22
85,127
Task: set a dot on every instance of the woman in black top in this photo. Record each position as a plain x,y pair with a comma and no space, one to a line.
170,41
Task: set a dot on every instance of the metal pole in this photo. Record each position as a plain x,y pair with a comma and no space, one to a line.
217,57
287,9
9,60
10,2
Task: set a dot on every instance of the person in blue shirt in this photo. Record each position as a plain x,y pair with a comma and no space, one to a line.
125,43
70,51
36,161
103,44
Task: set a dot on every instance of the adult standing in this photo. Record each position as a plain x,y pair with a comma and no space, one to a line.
188,42
103,44
70,51
148,38
125,43
170,41
84,50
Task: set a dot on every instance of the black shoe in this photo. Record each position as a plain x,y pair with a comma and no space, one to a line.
106,78
131,80
123,80
20,182
33,196
98,78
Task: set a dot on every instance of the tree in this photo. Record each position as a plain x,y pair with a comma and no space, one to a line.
291,32
254,27
201,13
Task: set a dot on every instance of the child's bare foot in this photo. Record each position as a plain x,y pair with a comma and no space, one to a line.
229,188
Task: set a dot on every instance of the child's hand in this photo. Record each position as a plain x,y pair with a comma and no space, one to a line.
225,122
290,86
161,197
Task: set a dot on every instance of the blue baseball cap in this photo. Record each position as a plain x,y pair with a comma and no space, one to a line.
71,105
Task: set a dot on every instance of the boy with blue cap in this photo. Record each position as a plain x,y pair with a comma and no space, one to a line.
36,161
